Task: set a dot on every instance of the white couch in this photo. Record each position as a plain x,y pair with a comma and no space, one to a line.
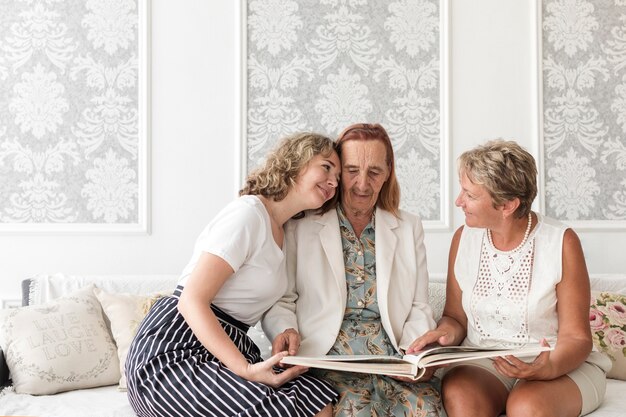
110,402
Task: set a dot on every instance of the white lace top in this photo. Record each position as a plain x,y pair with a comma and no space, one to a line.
510,297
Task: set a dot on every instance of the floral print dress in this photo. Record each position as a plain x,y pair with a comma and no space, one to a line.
362,333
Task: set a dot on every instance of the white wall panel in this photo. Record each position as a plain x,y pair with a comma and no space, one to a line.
195,136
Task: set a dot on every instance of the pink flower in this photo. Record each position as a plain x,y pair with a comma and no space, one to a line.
616,338
596,319
616,312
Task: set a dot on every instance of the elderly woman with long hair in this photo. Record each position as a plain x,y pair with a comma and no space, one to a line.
515,278
191,355
358,282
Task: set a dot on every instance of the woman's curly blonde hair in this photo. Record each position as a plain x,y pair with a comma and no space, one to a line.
282,166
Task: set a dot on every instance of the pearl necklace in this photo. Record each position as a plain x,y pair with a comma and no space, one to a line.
526,233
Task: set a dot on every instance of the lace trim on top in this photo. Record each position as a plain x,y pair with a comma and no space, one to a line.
500,296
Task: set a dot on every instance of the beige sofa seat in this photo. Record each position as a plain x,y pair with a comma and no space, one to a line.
110,402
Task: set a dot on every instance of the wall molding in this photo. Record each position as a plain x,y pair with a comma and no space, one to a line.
440,220
101,88
587,147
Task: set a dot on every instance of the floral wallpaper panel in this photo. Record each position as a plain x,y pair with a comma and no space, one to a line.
72,120
322,65
584,111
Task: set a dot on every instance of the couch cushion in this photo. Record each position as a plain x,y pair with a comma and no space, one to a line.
615,283
608,326
437,298
59,346
94,402
46,287
125,311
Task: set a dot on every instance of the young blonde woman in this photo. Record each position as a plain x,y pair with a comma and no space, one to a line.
191,355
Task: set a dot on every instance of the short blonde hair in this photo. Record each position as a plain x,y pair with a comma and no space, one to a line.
281,168
505,169
389,196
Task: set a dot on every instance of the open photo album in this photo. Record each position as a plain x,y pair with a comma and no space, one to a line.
412,366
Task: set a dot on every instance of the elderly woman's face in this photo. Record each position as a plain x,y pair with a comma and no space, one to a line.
364,171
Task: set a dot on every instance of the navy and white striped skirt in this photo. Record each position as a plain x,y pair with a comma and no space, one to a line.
170,373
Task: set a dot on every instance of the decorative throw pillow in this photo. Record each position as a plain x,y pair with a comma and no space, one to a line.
608,328
58,346
125,311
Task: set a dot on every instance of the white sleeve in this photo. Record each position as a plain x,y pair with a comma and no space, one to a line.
420,318
234,234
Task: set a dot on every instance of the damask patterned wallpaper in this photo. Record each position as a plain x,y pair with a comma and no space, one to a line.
584,109
322,65
70,150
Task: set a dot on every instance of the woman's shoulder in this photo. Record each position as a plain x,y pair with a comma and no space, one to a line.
247,208
549,220
250,203
467,231
312,217
551,225
403,216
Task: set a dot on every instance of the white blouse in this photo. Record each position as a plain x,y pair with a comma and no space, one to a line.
510,297
241,234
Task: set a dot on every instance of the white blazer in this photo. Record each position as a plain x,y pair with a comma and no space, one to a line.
315,301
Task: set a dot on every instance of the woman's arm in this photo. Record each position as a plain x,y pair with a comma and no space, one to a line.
452,326
209,275
574,341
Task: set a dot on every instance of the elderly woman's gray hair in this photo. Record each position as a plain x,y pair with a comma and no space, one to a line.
505,169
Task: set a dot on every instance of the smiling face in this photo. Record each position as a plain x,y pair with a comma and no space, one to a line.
364,172
476,203
318,180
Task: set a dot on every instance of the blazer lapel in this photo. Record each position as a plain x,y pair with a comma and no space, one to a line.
330,239
386,241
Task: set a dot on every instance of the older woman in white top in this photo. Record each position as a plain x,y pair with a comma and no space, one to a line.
515,278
